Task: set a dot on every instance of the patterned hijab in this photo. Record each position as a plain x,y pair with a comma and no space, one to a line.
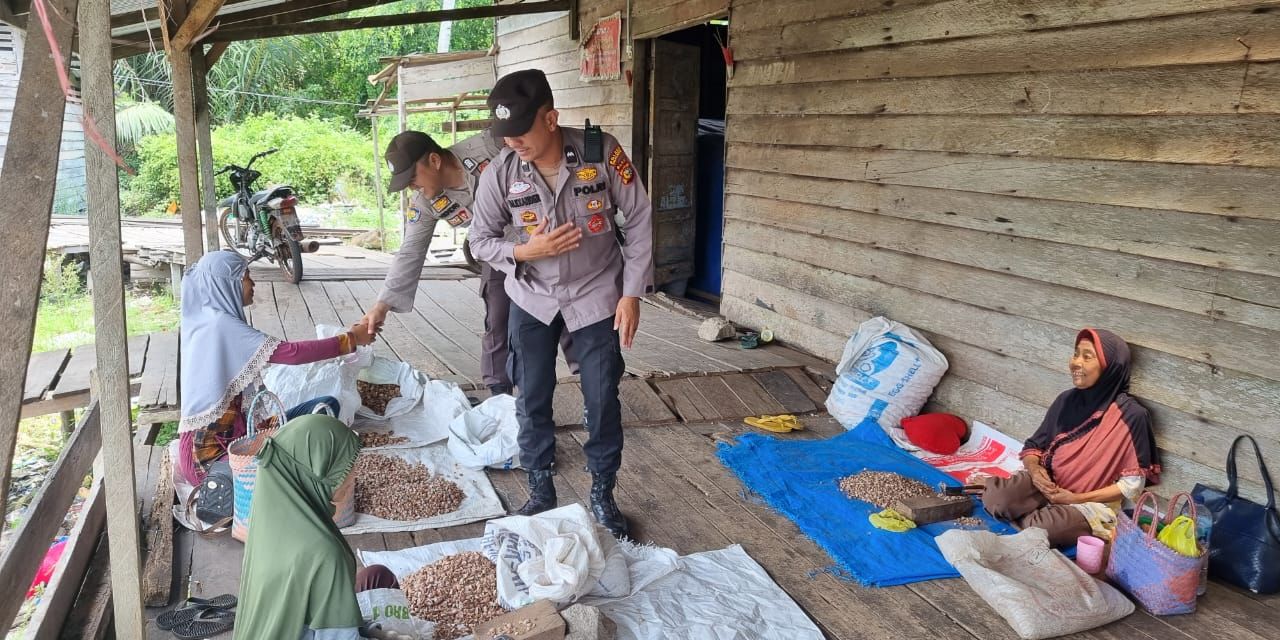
221,354
1092,437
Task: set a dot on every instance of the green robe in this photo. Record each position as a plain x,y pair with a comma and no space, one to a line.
299,573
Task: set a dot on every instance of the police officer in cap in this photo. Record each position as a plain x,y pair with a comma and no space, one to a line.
566,272
444,183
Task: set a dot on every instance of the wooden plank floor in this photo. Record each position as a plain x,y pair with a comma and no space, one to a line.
441,336
679,495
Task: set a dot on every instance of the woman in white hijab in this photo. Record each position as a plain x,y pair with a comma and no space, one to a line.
223,358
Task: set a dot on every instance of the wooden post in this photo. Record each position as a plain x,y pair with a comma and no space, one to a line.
377,184
204,140
184,116
67,421
111,339
31,162
175,280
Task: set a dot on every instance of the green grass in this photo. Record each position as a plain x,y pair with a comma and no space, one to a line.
64,321
68,322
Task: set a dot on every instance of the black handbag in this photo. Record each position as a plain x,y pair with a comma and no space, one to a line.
1244,545
214,498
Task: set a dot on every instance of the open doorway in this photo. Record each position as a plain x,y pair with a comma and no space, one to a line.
681,113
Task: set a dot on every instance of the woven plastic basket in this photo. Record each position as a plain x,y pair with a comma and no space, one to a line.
242,453
1162,580
344,505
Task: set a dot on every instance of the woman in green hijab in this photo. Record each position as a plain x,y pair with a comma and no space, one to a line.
299,579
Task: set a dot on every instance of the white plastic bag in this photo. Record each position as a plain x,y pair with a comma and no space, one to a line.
388,371
442,402
486,435
886,374
295,384
1038,591
390,609
559,555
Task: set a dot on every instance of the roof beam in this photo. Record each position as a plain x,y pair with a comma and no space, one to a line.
214,53
200,14
270,29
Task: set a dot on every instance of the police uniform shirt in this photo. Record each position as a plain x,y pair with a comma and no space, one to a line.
583,284
452,206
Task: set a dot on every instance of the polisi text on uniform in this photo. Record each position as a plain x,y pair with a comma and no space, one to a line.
591,188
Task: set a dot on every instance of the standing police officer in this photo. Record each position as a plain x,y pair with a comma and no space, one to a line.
566,272
444,183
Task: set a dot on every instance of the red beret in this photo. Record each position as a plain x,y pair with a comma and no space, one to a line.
935,432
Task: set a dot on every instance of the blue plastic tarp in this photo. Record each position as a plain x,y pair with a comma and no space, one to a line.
800,479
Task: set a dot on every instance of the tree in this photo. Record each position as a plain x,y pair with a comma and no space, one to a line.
136,120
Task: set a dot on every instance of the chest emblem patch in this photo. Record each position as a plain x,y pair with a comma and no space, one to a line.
596,223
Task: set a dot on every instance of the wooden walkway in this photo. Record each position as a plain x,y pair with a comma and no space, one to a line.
441,337
158,244
679,495
59,380
681,396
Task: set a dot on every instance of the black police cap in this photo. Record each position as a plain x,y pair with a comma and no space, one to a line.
515,100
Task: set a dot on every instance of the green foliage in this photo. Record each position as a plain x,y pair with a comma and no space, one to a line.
168,433
61,282
137,120
260,76
319,158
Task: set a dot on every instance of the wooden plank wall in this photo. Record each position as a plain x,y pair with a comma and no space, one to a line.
8,82
541,41
1000,173
70,197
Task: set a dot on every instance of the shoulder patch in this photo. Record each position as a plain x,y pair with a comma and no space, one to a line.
469,163
618,160
413,214
462,217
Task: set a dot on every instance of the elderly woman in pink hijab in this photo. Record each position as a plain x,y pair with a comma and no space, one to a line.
1094,451
223,358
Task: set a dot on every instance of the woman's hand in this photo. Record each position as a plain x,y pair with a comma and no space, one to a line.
1040,478
360,331
1062,496
1039,475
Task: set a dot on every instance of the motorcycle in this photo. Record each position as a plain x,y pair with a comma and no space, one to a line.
262,224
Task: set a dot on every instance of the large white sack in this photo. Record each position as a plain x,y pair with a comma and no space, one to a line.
559,555
887,373
485,436
1038,591
387,371
298,383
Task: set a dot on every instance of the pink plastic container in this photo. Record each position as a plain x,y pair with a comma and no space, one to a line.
1089,553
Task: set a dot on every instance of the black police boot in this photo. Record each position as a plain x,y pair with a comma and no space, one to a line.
604,508
500,389
542,493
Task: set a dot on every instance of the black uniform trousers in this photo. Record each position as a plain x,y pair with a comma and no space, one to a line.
532,366
493,346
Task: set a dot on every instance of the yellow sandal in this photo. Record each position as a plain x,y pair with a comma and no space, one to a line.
784,423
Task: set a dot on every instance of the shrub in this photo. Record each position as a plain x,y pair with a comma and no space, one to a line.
319,158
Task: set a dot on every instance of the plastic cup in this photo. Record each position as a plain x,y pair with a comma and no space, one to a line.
1089,553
